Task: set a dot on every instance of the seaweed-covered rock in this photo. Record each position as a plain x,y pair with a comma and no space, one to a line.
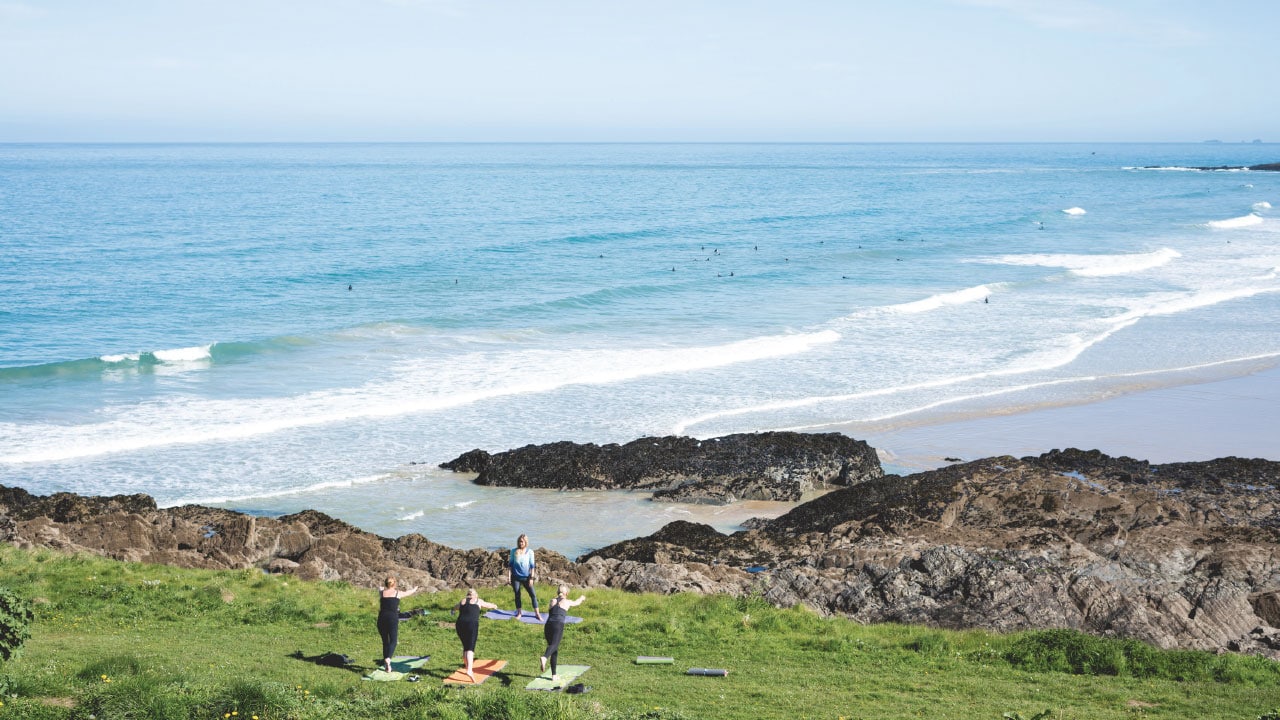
754,466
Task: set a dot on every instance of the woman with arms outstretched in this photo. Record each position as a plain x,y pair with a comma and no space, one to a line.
468,626
389,616
553,631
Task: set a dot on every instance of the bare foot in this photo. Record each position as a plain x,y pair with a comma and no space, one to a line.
543,662
472,676
537,615
519,613
555,678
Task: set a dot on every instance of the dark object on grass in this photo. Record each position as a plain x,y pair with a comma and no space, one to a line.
333,659
329,659
714,672
417,612
577,689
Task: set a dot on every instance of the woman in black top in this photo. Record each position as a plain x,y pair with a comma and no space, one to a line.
554,629
468,626
389,617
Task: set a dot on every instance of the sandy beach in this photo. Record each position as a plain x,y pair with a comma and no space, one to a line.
1237,416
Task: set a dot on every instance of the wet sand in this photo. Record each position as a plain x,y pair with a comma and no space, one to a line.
1237,416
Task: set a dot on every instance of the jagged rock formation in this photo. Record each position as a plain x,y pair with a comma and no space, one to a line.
755,466
1181,555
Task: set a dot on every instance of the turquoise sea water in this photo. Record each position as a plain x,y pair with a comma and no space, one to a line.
278,327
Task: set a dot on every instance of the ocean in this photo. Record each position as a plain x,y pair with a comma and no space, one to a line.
275,327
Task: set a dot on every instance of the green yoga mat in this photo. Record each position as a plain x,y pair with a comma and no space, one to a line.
567,674
400,667
654,660
405,663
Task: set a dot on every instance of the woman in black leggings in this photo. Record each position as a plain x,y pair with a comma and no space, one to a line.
553,631
523,572
468,626
389,617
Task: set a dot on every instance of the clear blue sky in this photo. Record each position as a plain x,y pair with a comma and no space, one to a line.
647,70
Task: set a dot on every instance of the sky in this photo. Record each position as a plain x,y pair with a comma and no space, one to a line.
639,70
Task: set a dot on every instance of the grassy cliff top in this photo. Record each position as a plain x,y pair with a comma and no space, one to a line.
121,640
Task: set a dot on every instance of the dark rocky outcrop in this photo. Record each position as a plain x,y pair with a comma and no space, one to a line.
754,466
1182,555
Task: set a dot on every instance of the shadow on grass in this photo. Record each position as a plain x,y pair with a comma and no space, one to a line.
333,660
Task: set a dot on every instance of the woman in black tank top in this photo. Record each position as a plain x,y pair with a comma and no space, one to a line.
389,617
554,629
468,626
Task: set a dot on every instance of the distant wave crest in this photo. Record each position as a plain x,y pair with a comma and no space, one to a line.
1236,222
180,359
1075,211
412,389
933,302
1094,265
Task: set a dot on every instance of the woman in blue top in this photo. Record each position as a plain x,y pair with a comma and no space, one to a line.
523,572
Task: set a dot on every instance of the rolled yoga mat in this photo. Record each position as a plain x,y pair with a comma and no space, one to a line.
654,660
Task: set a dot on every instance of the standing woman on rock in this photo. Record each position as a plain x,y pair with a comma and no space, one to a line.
468,626
553,631
523,572
389,617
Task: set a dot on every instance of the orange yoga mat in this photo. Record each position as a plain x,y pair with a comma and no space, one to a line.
482,669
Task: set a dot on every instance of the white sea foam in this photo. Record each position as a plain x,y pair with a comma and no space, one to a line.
431,386
123,358
1038,385
184,355
1074,211
1053,355
1237,222
412,516
1264,205
933,302
1094,265
262,494
458,505
1174,303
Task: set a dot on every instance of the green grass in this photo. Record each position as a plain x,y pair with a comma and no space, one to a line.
117,640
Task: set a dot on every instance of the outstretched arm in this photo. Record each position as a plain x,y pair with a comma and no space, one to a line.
570,603
407,593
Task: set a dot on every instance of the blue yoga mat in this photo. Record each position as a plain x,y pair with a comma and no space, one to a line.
527,617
